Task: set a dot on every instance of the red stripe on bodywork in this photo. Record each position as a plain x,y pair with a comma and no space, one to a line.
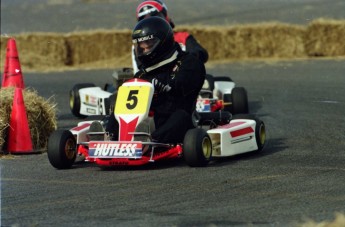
81,127
241,132
126,128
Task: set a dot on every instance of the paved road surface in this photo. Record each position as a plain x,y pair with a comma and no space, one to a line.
300,174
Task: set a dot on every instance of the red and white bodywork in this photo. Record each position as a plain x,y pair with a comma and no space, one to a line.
132,107
234,138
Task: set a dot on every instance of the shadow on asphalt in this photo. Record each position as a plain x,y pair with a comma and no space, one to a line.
272,146
255,106
159,165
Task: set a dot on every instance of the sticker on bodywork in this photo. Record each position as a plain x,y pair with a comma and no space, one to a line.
110,149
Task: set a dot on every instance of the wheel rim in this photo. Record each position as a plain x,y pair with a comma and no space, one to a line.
70,148
262,134
206,147
71,100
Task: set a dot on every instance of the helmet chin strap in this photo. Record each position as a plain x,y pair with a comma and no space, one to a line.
166,61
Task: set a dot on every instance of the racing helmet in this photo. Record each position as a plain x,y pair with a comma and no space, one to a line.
153,8
153,41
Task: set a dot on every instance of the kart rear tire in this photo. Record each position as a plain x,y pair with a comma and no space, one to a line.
112,100
62,149
109,88
222,78
74,99
209,82
260,129
238,99
197,147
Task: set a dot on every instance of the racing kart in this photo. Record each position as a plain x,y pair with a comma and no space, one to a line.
216,134
85,99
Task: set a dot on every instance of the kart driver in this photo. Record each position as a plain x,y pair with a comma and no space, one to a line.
177,77
187,42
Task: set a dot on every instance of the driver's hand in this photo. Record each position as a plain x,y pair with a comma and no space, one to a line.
160,87
140,74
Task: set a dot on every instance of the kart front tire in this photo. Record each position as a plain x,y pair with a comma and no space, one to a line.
112,100
197,147
74,99
62,149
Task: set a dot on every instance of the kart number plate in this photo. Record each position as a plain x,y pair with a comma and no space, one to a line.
132,100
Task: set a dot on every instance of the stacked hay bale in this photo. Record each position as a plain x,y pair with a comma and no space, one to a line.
39,51
266,40
111,49
325,38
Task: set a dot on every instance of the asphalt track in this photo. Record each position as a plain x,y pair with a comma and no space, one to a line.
299,175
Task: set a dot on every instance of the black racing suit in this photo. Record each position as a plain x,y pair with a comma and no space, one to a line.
173,109
189,44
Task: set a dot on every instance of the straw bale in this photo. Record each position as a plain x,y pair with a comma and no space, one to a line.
268,40
38,50
111,48
338,221
97,45
325,38
41,114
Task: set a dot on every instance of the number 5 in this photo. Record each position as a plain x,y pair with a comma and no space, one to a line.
132,98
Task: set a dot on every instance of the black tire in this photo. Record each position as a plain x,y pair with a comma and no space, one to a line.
112,101
74,99
222,78
260,135
210,82
197,148
109,88
238,99
260,129
62,149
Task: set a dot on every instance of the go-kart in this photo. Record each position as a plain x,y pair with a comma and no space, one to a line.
216,134
218,93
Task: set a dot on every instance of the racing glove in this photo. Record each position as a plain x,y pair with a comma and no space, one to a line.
160,87
140,74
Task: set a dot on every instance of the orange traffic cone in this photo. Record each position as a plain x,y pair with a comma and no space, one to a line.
12,71
19,137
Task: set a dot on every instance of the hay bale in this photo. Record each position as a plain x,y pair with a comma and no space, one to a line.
91,46
5,111
325,38
338,221
41,115
39,51
266,40
112,48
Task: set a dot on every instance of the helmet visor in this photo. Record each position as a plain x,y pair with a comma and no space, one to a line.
151,14
145,45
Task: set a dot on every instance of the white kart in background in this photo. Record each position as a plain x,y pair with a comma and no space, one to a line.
218,93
